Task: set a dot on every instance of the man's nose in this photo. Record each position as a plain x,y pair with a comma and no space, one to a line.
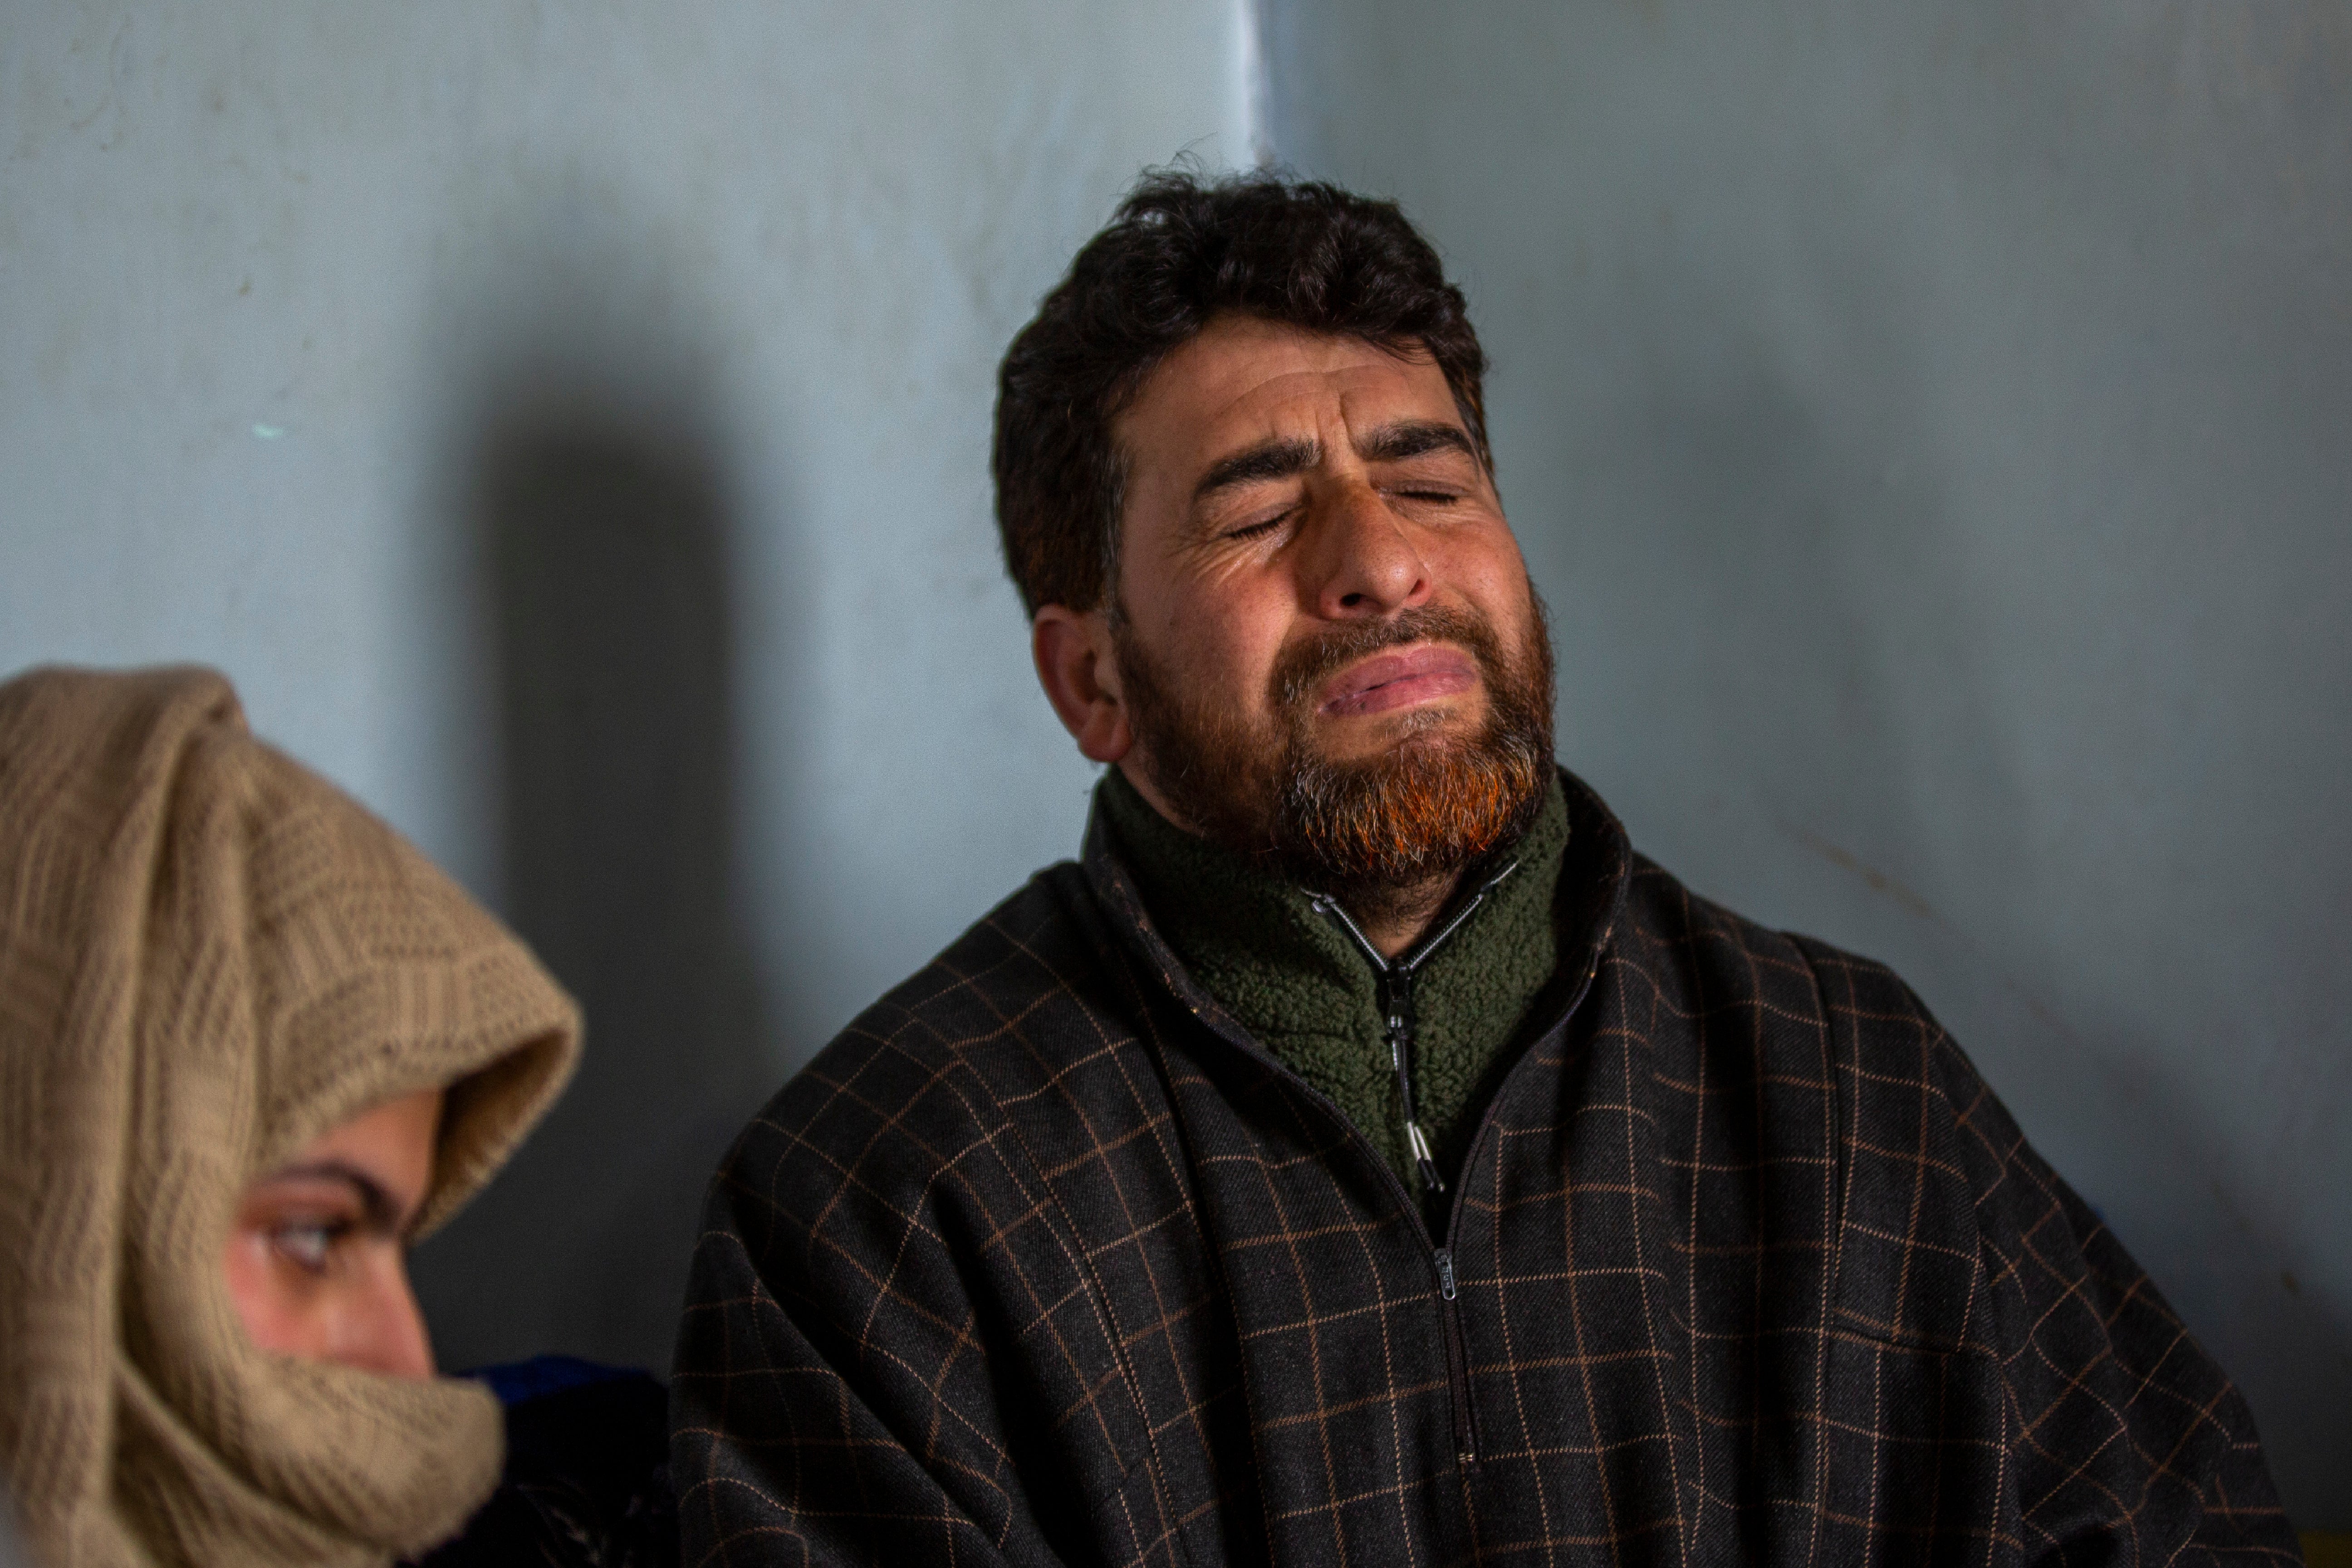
1366,562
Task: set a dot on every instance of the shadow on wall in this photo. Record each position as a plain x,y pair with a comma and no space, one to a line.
603,540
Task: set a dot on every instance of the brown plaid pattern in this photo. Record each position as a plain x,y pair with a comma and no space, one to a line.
1044,1261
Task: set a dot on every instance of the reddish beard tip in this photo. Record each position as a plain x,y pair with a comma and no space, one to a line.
1422,809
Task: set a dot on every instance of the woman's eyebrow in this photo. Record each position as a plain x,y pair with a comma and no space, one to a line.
381,1213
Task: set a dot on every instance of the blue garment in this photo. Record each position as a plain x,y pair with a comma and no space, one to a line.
519,1382
586,1483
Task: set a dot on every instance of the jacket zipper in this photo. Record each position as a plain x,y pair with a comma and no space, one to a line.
1465,1410
1441,1257
1457,1364
1395,980
1400,1021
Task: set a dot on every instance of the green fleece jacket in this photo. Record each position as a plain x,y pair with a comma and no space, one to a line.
1294,979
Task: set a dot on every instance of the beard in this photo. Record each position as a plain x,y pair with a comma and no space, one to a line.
1375,831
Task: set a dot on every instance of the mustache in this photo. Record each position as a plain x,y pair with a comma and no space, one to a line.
1302,668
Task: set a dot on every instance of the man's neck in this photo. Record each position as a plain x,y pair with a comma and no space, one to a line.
1393,919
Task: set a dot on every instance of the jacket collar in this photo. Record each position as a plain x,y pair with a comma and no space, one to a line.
1591,897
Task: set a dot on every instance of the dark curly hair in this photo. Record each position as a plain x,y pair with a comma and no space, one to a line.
1183,250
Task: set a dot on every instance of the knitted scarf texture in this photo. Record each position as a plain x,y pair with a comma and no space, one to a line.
208,957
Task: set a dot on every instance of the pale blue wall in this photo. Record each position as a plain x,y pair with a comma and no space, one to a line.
568,425
1932,428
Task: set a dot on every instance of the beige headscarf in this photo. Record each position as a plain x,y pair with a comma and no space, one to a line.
209,956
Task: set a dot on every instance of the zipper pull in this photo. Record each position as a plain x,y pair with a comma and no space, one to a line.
1422,1157
1445,1273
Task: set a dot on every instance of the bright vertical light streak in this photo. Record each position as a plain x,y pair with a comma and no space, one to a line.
1250,81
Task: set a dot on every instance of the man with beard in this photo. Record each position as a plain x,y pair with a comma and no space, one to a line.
1360,1157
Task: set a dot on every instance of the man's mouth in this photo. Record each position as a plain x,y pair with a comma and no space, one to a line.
1387,681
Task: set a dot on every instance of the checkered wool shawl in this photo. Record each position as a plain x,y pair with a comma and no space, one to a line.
1044,1261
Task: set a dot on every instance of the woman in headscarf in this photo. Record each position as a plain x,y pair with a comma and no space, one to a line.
252,1046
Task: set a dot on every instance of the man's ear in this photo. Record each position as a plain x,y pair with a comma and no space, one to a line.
1078,668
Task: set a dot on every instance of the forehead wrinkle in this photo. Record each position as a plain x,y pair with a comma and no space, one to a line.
1250,385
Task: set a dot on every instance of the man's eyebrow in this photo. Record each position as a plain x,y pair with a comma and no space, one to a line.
382,1214
1413,438
1270,460
1279,459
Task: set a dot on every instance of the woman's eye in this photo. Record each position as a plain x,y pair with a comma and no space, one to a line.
309,1245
